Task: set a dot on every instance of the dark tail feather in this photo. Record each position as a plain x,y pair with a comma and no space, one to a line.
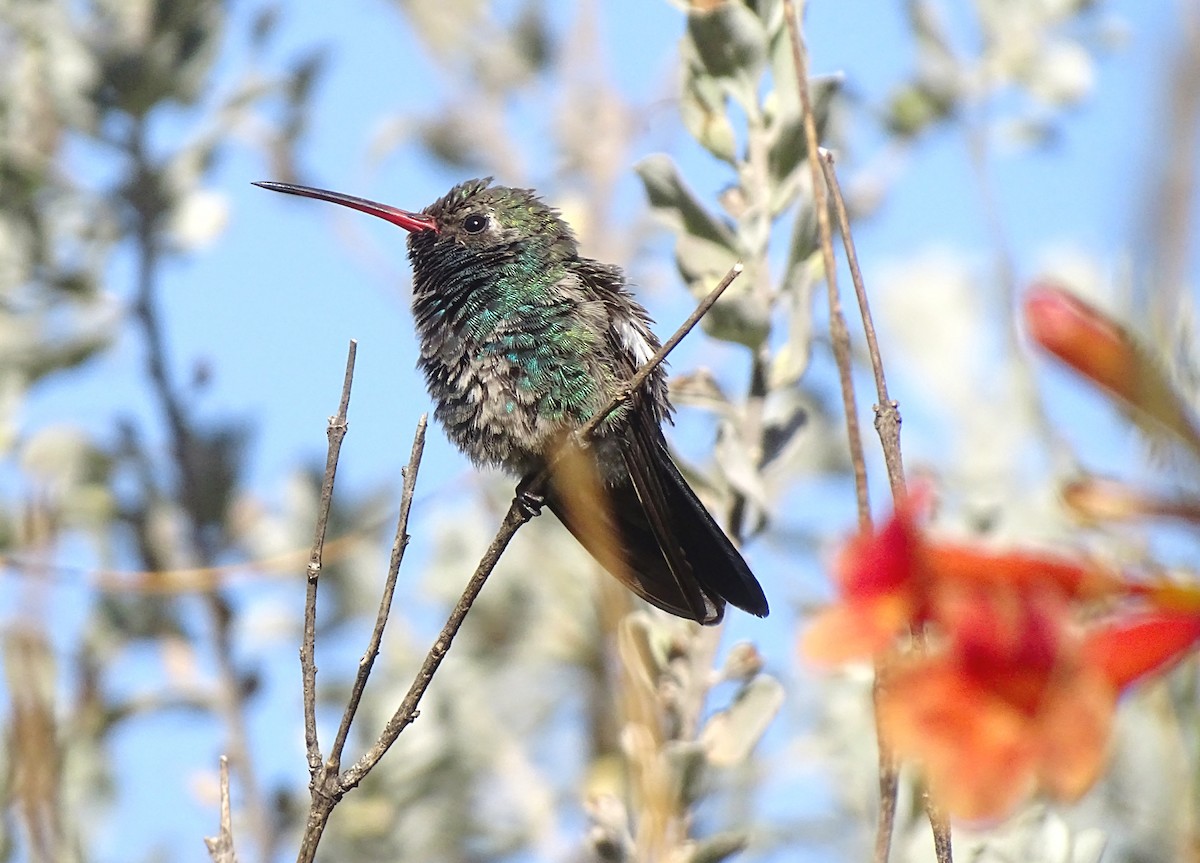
717,565
613,526
657,537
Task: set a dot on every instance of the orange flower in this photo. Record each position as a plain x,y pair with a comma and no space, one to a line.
1098,347
1129,650
896,579
1075,578
1100,499
1008,695
879,578
982,752
1084,338
1005,708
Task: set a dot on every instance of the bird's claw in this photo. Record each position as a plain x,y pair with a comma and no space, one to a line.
529,500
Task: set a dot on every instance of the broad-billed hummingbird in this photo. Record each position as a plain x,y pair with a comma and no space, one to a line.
522,341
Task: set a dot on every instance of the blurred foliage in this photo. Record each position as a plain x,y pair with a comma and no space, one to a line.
562,726
92,167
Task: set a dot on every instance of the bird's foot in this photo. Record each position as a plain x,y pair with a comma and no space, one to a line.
529,497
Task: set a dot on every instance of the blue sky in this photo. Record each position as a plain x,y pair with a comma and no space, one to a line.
272,304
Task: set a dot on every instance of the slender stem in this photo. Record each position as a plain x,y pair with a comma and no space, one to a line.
759,188
887,412
634,384
407,711
888,776
336,433
399,544
325,786
220,847
838,333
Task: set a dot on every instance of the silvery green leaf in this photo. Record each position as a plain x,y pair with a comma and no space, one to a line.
151,56
264,25
731,43
737,461
608,837
700,389
741,315
790,362
532,38
742,663
789,147
770,12
913,108
63,458
703,109
673,201
730,735
804,244
801,436
705,249
785,415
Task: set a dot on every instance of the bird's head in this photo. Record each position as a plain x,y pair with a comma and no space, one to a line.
474,216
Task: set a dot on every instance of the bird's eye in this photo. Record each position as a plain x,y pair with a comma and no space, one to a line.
474,223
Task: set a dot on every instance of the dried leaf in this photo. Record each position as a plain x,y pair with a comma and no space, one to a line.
732,734
718,847
635,644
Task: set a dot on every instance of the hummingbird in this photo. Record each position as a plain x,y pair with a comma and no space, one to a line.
522,341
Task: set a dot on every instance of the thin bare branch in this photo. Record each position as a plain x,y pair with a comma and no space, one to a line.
220,847
336,433
399,544
889,775
887,412
839,335
634,383
516,516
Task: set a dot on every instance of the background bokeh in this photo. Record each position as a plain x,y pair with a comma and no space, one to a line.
161,319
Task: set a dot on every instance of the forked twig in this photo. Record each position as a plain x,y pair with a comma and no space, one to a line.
399,544
839,335
887,417
336,432
887,412
327,785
